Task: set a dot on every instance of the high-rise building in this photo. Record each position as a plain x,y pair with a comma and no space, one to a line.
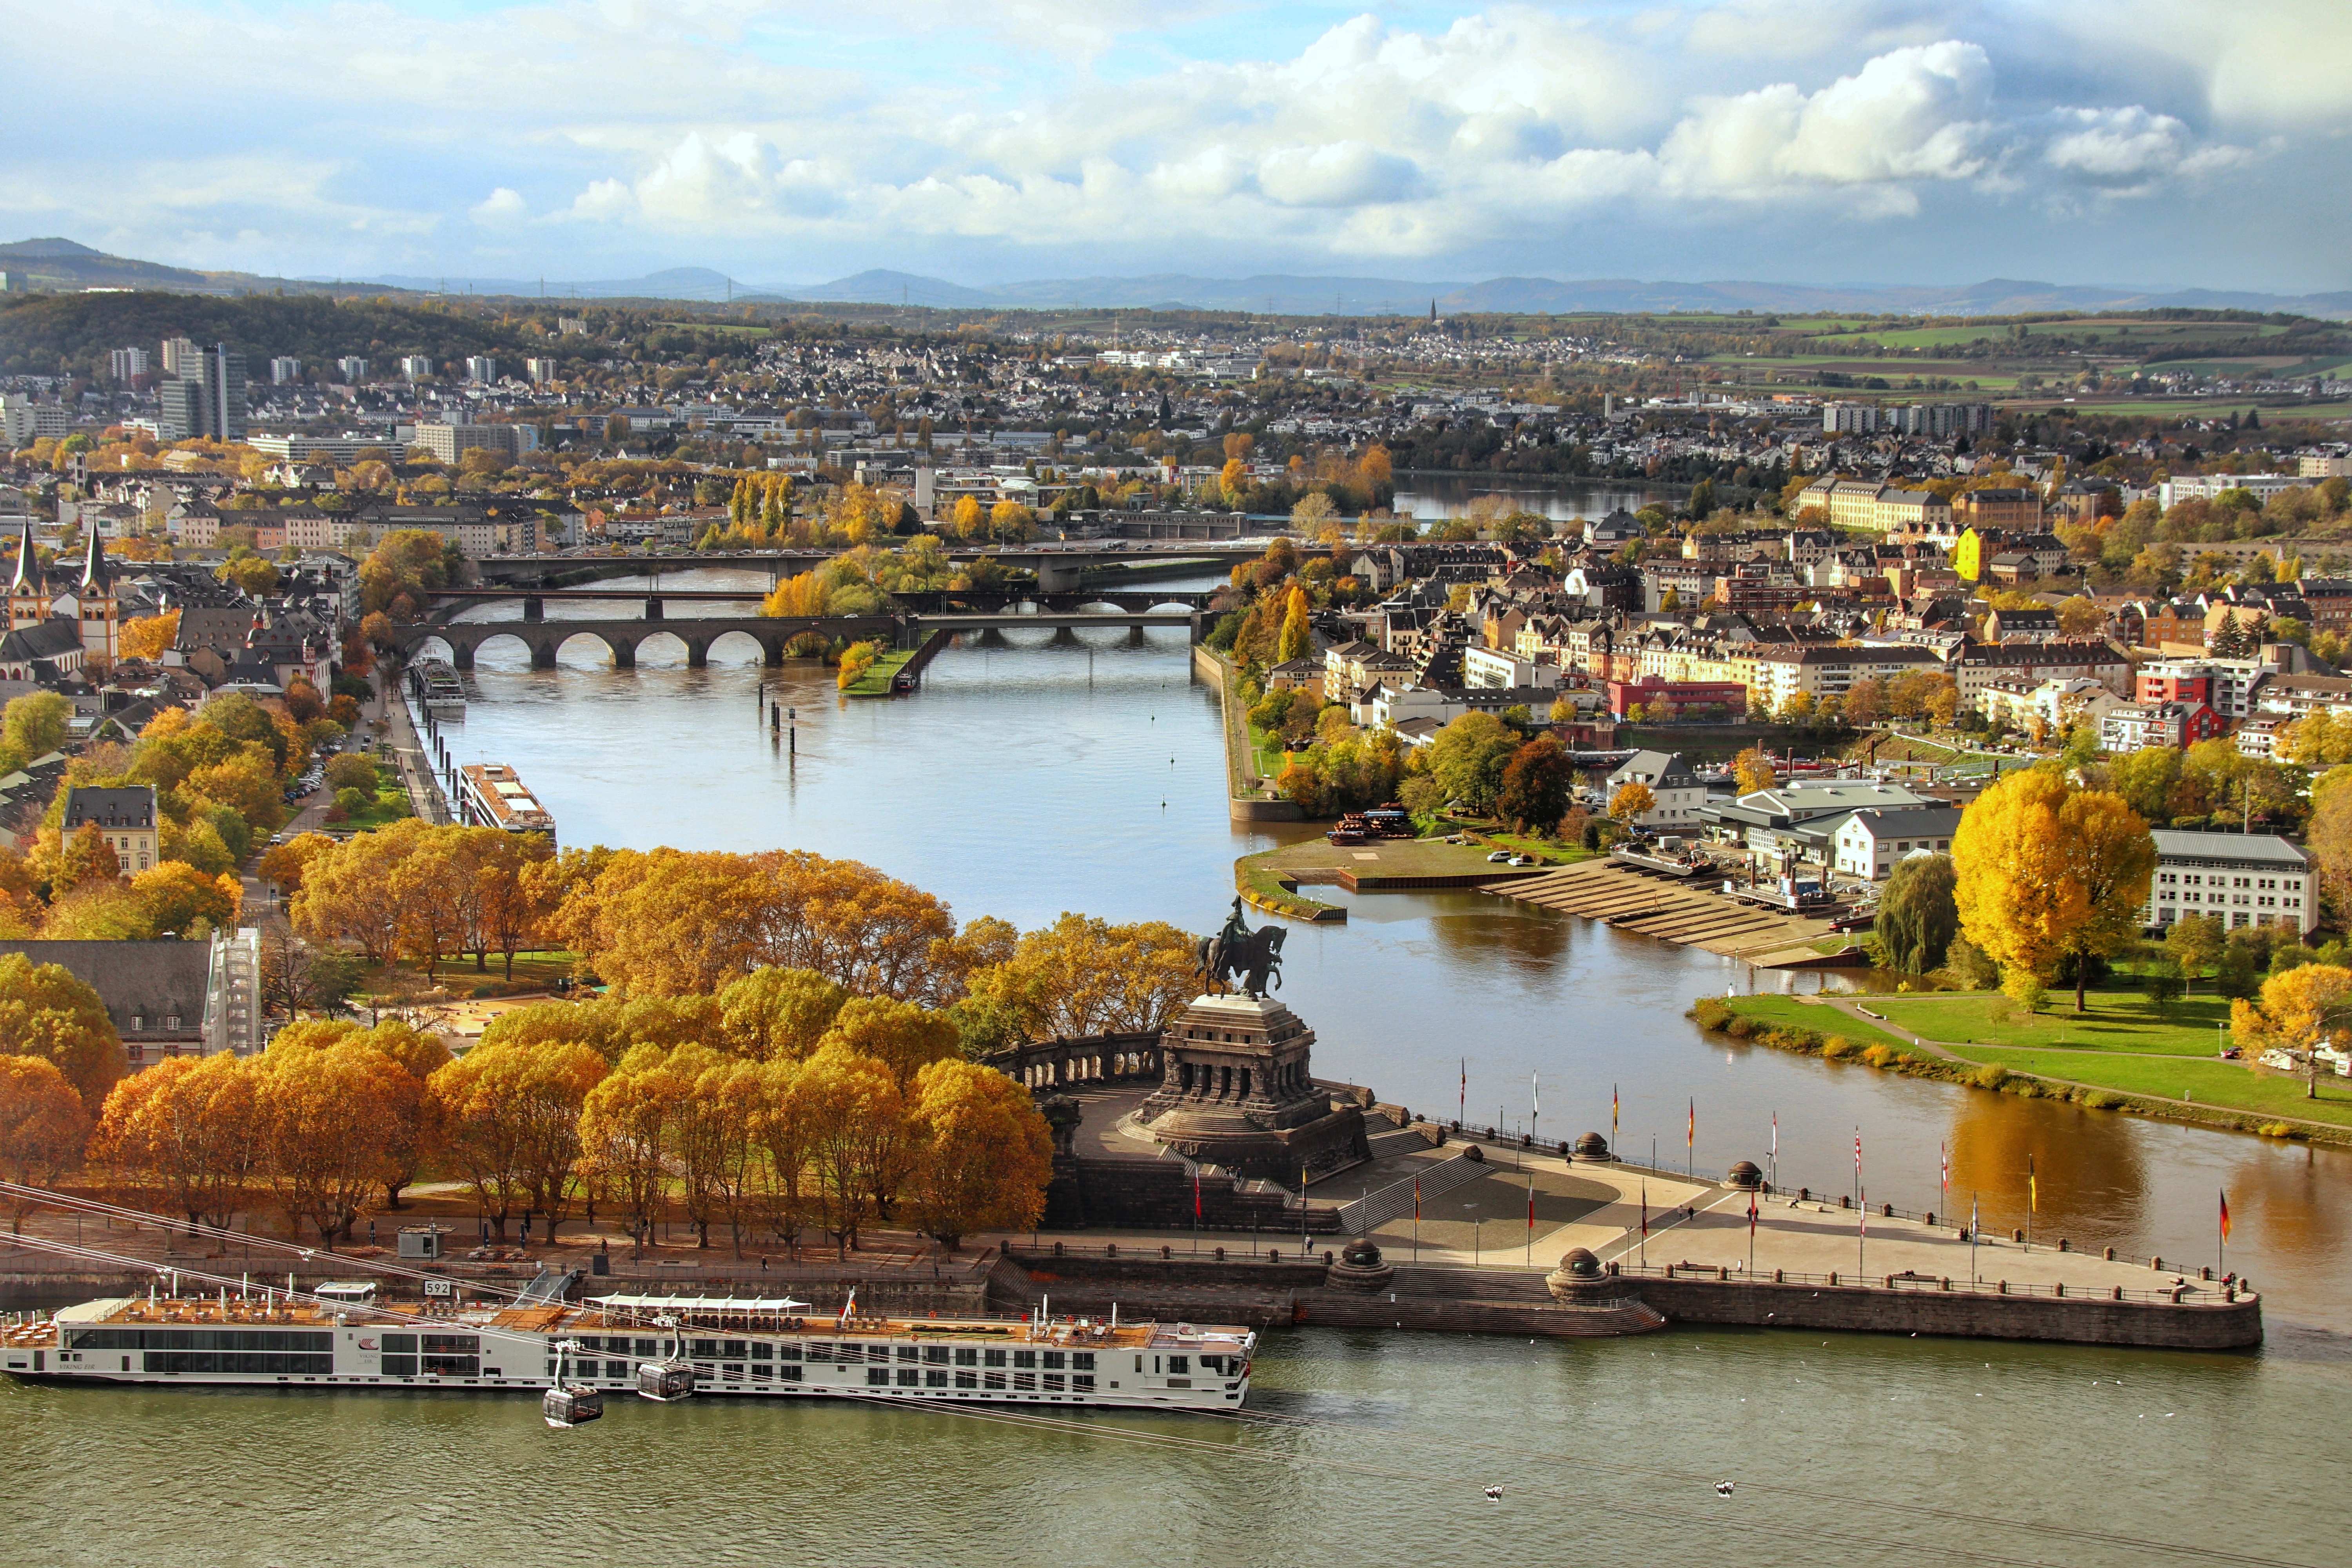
124,364
415,367
181,412
179,357
353,368
283,370
541,370
224,382
481,368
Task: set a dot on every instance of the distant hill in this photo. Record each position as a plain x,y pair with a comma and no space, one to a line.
65,265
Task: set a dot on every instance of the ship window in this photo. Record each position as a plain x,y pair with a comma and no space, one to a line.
1084,1361
992,1358
1082,1386
821,1350
1053,1384
645,1347
967,1380
1026,1382
730,1350
937,1354
400,1366
1025,1357
935,1380
403,1342
616,1369
791,1374
992,1378
789,1352
966,1357
877,1376
1179,1363
703,1348
1054,1359
908,1376
910,1352
763,1351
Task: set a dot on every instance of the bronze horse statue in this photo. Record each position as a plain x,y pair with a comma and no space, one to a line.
1240,958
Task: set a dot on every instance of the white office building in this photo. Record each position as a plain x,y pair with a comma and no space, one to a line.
285,371
2205,487
353,368
2246,879
415,367
481,368
121,365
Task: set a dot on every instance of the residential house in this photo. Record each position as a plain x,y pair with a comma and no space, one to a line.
1673,787
1867,844
2136,726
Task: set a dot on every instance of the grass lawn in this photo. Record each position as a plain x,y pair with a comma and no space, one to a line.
1788,1012
875,681
2224,1085
532,972
1268,755
1543,849
390,804
2118,1021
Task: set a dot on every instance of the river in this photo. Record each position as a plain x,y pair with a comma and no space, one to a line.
1433,495
1032,775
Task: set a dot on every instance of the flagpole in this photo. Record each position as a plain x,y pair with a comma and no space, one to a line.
1973,1238
1417,1218
1531,1216
1774,1180
2032,1201
1645,1224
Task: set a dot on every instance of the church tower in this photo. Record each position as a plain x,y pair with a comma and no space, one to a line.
29,604
96,607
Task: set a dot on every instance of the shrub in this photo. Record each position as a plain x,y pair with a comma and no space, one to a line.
350,800
1741,1028
352,771
1878,1055
1993,1074
1712,1012
2102,1100
1837,1048
2280,1129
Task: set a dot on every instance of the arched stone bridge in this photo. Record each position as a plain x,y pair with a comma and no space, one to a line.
622,638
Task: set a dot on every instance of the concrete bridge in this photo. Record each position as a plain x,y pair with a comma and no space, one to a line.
622,638
449,603
1058,567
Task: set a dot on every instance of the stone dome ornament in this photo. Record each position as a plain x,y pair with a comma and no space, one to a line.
1360,1268
1579,1279
1594,1148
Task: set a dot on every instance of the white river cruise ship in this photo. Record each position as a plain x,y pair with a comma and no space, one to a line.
734,1345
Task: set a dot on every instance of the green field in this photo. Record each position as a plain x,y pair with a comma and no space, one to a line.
875,681
2229,1086
390,804
2118,1021
1789,1012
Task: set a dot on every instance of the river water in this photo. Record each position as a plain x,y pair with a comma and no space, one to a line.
1031,775
1432,495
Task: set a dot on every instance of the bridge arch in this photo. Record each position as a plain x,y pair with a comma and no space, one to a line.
661,647
730,647
492,636
548,650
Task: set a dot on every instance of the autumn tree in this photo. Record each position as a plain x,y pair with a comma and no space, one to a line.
514,1121
2044,872
2308,1006
625,1128
322,1115
781,1187
285,864
855,1125
1082,975
185,1136
1753,770
43,1128
150,638
984,1153
1631,801
46,1011
1298,635
1538,784
1469,757
778,1014
2195,943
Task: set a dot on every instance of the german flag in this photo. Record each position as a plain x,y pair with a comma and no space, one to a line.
2225,1215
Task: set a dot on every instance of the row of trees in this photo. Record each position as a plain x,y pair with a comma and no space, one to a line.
412,890
333,1122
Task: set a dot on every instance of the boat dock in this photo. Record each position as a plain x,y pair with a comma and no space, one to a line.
1693,912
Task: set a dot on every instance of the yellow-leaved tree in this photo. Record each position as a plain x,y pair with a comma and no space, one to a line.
2046,872
1752,769
1296,635
2309,1005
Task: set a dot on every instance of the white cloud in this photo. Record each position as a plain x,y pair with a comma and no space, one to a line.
503,205
719,129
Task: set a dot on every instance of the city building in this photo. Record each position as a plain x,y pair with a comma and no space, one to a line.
446,439
2226,684
285,371
2246,879
415,367
1868,845
180,356
170,997
24,421
122,365
1676,791
125,815
542,371
353,368
2136,726
2205,487
481,368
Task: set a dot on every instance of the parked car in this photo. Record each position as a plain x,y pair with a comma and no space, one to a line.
1525,860
1498,857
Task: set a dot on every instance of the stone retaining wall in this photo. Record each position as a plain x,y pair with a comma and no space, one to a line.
1873,1310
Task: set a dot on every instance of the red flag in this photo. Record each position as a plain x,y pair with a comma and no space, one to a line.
1416,1197
1196,1192
2225,1217
1645,1209
1751,1216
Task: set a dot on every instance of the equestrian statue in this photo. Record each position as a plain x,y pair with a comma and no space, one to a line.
1238,958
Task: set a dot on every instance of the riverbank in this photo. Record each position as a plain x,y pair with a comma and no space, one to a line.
1272,878
1250,796
1694,912
2201,1090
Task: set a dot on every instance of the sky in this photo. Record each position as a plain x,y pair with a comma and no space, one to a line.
2143,142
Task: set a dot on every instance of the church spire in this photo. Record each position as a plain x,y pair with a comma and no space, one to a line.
94,571
22,584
